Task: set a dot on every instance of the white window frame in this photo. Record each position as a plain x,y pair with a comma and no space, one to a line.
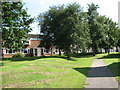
47,52
8,51
23,49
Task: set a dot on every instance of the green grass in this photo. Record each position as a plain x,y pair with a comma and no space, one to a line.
47,72
113,63
44,72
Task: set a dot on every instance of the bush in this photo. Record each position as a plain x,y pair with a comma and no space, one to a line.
18,55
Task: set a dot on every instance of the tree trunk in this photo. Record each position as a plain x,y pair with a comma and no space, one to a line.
101,51
93,51
108,51
105,50
59,52
68,53
116,49
51,51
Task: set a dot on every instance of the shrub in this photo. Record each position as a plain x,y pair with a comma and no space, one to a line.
18,55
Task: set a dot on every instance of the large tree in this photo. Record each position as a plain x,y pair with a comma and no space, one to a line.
103,31
15,25
96,26
58,24
112,32
68,27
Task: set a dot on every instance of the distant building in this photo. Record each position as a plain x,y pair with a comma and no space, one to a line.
31,48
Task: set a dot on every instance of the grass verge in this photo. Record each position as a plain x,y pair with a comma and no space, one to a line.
113,63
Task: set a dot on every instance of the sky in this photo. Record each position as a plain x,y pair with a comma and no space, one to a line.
109,8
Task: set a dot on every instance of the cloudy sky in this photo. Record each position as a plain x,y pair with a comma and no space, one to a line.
109,8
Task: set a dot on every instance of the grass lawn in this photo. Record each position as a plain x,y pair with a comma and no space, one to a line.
46,72
113,62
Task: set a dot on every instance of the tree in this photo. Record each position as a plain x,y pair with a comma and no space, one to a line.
82,35
113,33
93,26
97,28
59,23
68,27
16,25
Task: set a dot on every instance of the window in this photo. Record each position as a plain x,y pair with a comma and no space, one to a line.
47,50
26,42
25,51
8,51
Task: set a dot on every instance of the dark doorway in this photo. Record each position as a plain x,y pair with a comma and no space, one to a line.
35,52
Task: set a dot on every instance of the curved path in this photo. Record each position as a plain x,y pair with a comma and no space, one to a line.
99,76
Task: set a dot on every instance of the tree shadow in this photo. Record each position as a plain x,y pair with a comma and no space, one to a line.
81,55
112,56
69,59
34,58
101,71
82,70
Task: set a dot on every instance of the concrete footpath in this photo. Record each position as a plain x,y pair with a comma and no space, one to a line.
99,76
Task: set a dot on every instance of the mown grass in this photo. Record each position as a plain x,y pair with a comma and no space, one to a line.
44,72
47,72
113,63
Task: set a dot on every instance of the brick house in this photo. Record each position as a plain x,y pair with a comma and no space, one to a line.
31,48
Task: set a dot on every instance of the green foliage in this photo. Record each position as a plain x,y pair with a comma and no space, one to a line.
103,31
18,55
16,24
60,25
69,27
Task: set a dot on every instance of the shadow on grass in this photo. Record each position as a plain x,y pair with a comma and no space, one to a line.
1,64
34,58
112,56
83,70
81,55
100,71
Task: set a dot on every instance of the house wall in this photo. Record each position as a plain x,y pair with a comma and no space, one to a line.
32,44
39,52
10,55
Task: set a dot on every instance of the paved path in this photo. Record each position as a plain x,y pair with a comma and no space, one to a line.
99,76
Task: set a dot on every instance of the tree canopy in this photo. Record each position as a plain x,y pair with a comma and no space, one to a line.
15,25
68,27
